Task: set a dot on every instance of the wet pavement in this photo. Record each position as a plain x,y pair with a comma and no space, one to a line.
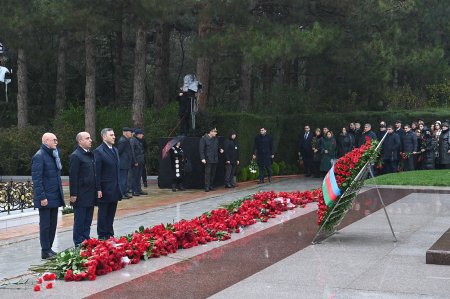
267,260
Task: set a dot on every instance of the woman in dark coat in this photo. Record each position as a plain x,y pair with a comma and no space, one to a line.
345,143
429,151
315,145
177,159
328,152
444,147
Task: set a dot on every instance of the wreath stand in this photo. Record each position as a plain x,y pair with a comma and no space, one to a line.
347,197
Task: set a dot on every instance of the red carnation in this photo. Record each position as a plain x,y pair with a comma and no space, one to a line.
49,285
37,288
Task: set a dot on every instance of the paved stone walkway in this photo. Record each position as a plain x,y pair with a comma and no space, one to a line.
361,261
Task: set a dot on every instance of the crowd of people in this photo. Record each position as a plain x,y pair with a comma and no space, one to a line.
407,147
111,173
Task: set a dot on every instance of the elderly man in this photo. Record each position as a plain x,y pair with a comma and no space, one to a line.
48,193
138,160
108,183
83,193
126,156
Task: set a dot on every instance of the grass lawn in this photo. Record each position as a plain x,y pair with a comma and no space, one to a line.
439,177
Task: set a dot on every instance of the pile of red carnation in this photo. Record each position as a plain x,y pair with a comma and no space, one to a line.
101,257
46,279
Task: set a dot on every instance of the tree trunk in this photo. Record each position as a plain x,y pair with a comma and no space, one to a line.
162,59
203,63
60,100
245,92
117,66
89,91
22,90
139,78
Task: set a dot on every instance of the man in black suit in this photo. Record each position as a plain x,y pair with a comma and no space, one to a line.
126,156
83,192
305,150
108,183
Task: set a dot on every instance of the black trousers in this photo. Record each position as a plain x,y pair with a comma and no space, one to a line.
105,219
137,175
390,166
210,174
48,219
308,164
265,163
408,164
82,220
230,172
123,180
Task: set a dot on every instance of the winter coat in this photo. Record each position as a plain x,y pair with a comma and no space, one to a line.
391,147
82,178
231,149
409,142
46,179
263,147
444,147
125,153
209,149
429,156
345,144
138,150
329,145
177,160
304,145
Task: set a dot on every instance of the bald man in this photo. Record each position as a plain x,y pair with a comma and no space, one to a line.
83,192
48,193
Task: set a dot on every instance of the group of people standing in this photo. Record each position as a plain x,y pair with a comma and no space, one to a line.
97,177
414,146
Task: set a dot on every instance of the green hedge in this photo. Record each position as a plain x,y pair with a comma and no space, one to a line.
18,146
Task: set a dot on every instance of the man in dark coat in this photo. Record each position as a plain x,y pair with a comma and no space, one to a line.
108,183
83,187
305,150
231,150
263,153
398,129
209,155
138,156
409,147
126,156
390,151
48,193
367,134
357,132
444,146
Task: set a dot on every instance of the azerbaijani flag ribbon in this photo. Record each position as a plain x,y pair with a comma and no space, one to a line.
330,188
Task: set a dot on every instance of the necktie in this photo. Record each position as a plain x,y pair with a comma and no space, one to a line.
57,159
306,135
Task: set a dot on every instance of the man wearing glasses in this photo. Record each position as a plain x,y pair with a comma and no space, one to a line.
263,153
48,193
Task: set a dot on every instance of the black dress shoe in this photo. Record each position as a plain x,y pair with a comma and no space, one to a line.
47,255
143,193
136,194
228,186
55,253
212,189
206,189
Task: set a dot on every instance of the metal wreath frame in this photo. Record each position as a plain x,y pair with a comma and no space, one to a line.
347,197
